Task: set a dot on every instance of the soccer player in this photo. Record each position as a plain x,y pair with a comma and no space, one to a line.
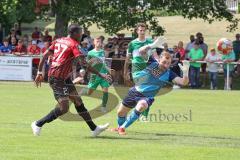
147,84
95,80
64,51
136,52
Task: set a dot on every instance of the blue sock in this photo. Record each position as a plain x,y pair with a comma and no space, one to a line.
121,120
131,118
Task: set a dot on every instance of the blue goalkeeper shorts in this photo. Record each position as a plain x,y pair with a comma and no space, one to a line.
134,96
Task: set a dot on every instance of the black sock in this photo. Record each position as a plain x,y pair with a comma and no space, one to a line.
83,112
49,117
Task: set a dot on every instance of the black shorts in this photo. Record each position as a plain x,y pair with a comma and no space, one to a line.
61,88
133,97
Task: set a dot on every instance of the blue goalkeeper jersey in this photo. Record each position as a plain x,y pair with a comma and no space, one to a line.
150,80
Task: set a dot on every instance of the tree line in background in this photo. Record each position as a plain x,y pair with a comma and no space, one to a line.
114,15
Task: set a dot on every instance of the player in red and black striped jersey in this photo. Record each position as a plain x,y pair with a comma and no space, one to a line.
64,51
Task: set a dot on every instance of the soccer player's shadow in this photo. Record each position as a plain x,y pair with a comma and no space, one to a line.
95,112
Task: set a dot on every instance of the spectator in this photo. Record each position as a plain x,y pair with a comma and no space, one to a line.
40,42
13,43
211,58
36,34
226,60
6,48
33,49
195,54
84,48
175,60
204,47
236,49
181,50
46,36
190,45
48,62
25,40
18,31
12,34
165,48
20,49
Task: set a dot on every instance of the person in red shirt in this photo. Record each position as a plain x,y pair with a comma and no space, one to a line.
33,49
20,48
36,34
46,36
64,51
181,50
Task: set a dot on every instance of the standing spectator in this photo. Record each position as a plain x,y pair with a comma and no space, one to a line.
20,49
12,34
48,62
195,54
46,36
17,30
84,48
6,48
175,60
226,60
181,50
13,43
190,45
33,49
211,58
236,49
204,47
36,34
165,48
25,40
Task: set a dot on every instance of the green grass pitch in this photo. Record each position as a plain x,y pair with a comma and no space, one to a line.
212,133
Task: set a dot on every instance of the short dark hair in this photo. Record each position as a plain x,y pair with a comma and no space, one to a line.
141,25
72,28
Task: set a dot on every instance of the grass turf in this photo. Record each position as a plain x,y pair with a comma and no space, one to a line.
213,132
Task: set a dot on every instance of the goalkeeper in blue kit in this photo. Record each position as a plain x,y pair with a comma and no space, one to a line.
148,82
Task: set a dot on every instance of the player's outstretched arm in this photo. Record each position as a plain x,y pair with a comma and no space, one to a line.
39,77
158,43
185,69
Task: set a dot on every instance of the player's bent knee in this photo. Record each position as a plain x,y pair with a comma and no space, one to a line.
142,105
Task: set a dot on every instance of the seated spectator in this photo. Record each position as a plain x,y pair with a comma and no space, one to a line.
226,60
46,36
13,43
20,49
36,34
6,48
195,54
181,50
211,58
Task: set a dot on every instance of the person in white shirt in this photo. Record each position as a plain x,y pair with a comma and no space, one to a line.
211,58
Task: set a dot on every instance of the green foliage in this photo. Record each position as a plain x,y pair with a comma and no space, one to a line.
25,11
12,11
114,16
7,13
